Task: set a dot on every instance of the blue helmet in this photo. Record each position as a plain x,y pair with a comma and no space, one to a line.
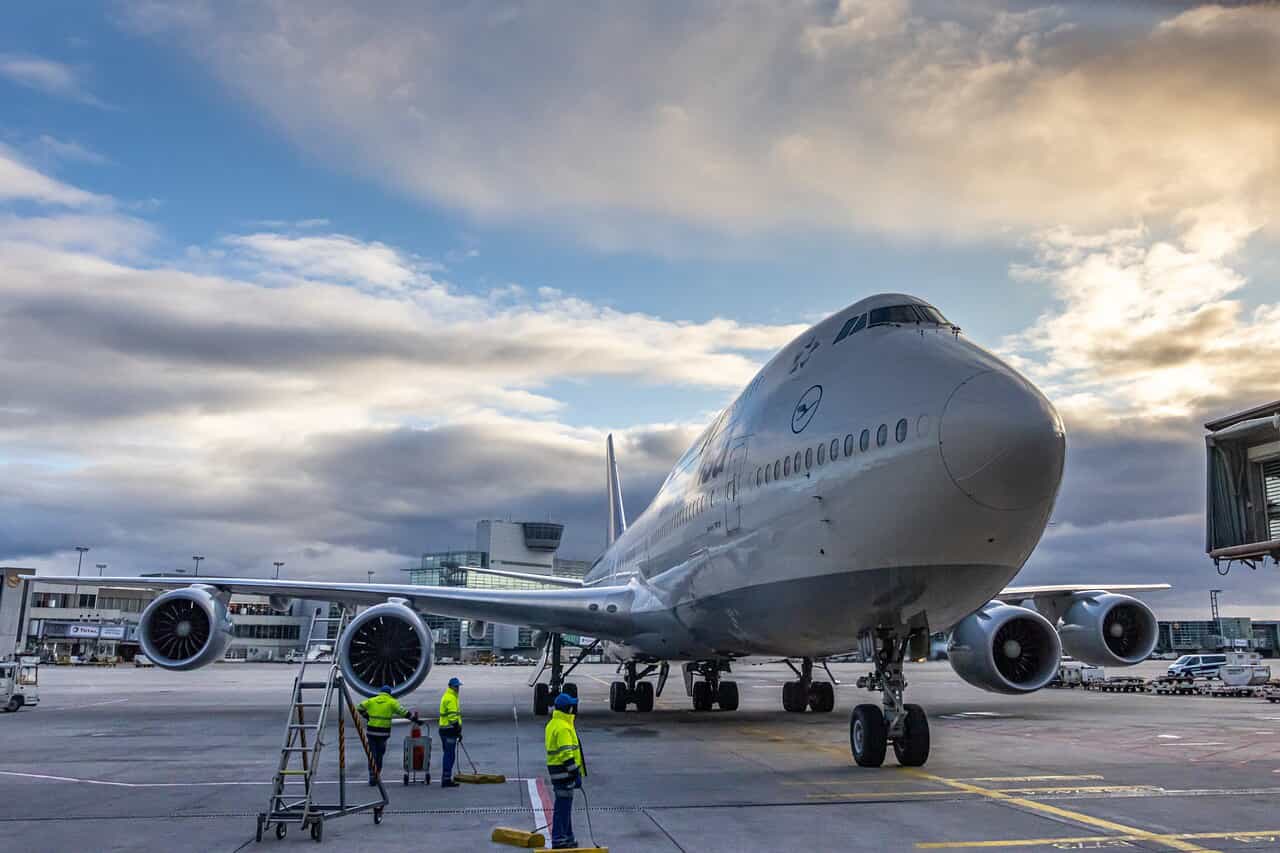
564,702
386,688
453,682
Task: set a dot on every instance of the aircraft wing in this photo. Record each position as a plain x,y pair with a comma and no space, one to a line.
1052,601
601,611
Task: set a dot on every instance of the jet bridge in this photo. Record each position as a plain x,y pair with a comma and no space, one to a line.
1242,506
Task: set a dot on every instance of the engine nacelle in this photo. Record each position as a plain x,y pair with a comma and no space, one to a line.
388,644
185,629
476,629
1108,629
280,603
1005,649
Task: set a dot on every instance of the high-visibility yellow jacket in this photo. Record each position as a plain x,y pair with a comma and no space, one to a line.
381,709
450,713
564,753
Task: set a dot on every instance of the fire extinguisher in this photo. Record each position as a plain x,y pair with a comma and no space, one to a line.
419,751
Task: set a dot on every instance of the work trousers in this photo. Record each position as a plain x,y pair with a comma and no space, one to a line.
562,816
449,751
378,749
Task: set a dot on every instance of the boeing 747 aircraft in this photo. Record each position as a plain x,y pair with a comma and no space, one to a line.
880,479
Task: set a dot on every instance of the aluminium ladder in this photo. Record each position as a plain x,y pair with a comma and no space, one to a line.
294,787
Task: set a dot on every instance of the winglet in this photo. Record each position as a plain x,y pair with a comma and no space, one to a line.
613,485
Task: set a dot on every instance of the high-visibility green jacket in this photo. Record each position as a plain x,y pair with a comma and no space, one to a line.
381,709
450,713
564,754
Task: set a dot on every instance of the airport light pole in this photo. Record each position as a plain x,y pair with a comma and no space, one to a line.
1213,609
79,562
278,564
101,566
197,558
370,574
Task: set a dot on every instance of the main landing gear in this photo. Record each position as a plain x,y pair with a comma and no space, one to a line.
711,690
819,696
872,729
544,694
634,689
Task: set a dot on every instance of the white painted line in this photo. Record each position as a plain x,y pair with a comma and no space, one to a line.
49,778
1171,737
1203,743
539,809
86,705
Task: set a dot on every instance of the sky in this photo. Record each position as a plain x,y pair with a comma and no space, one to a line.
326,283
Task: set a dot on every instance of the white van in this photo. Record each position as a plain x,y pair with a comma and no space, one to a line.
1197,666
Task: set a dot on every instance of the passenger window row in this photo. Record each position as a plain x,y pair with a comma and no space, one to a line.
804,460
692,510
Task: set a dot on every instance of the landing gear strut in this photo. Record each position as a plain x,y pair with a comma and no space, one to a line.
711,690
634,689
544,694
819,696
872,729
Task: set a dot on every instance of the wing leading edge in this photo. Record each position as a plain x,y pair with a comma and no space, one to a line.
603,611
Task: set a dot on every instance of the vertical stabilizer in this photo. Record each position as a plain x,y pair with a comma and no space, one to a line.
613,485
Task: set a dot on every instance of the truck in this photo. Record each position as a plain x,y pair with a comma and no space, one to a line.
19,683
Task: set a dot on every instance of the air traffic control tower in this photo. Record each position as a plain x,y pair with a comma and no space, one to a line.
1242,505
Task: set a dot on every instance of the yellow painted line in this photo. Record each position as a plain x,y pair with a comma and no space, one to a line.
1079,789
1259,835
1046,778
1046,808
842,795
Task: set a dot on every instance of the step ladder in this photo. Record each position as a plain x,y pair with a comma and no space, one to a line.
317,694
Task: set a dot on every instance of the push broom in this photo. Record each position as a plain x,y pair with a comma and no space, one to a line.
475,777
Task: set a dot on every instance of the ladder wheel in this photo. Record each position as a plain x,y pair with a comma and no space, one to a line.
377,815
406,779
317,831
257,835
281,830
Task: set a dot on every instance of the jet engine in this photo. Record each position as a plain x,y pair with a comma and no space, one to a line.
388,644
185,629
1107,629
476,629
1005,649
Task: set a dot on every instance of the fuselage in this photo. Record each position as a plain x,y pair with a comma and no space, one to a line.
879,470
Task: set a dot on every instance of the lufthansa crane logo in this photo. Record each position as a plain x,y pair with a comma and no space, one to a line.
806,409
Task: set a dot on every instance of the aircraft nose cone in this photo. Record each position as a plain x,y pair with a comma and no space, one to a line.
1002,442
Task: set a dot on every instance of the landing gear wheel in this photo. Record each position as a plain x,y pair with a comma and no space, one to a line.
281,831
822,697
702,700
644,697
541,699
793,698
912,749
317,831
727,696
377,815
868,734
618,696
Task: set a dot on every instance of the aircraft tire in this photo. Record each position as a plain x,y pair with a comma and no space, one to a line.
822,697
868,735
644,697
702,700
618,696
912,749
727,696
541,699
793,698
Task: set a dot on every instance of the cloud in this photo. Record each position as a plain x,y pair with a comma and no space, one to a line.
318,396
48,76
964,120
67,149
18,181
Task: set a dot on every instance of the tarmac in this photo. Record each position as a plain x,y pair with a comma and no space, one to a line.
142,759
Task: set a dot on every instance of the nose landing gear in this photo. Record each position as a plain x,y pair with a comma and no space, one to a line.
906,726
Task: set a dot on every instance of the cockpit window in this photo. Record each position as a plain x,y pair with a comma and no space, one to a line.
893,314
853,324
932,315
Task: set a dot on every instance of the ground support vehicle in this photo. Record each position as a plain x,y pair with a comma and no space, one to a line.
19,684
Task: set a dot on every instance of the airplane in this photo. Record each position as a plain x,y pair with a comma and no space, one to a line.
880,479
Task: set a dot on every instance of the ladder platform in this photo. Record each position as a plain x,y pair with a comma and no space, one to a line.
313,685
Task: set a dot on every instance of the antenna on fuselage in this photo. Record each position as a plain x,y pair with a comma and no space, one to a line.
613,486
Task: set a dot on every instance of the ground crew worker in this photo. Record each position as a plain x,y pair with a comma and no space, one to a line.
450,723
378,712
564,763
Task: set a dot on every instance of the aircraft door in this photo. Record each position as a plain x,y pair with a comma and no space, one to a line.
735,469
